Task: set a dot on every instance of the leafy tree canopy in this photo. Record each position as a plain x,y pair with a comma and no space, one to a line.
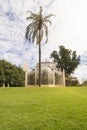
10,74
66,59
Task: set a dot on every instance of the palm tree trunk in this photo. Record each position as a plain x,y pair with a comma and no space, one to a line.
39,61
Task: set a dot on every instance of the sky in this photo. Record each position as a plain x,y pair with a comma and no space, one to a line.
69,28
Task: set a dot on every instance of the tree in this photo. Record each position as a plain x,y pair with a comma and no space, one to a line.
36,30
66,59
84,83
72,81
11,74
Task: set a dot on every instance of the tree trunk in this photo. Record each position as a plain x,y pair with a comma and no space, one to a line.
39,61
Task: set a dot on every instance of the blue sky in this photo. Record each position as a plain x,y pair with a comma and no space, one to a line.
69,28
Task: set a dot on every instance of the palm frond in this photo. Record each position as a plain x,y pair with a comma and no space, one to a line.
31,27
46,32
34,34
50,15
26,34
30,35
34,15
48,21
29,18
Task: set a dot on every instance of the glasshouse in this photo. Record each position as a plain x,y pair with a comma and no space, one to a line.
50,75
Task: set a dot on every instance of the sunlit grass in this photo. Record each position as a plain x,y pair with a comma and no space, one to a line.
43,108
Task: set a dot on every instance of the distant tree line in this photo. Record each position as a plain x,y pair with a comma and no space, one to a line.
11,75
84,83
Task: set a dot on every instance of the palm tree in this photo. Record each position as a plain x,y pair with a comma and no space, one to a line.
36,30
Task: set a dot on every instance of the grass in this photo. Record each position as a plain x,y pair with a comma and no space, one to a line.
43,108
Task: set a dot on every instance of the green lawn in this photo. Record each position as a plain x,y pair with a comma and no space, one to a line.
43,108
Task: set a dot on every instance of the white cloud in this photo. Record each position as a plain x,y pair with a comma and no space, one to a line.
69,28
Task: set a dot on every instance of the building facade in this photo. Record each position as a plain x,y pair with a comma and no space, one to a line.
50,75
